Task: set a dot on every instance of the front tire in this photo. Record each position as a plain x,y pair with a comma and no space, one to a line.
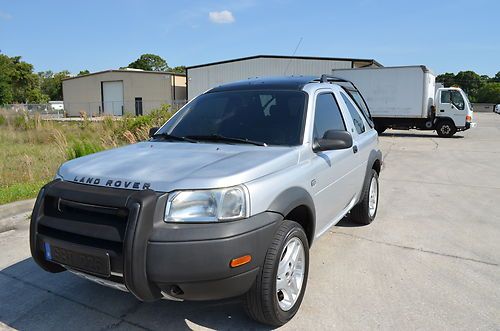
365,211
446,129
277,293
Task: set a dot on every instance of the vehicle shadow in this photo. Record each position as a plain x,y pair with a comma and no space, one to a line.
347,222
34,299
415,135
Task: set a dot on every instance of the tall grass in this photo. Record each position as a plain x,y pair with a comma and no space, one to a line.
31,149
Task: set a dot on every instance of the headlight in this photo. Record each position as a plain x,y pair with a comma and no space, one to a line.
207,205
58,175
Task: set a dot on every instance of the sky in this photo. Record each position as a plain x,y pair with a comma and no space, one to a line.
447,36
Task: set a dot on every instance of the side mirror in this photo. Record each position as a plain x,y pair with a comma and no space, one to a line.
333,140
152,131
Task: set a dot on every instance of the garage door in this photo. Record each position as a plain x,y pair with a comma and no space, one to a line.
112,94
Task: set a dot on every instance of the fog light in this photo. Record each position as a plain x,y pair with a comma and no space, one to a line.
239,261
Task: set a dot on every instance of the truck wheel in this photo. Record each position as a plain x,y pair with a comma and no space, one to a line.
277,293
366,209
446,129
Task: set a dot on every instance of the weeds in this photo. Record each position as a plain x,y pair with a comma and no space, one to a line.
82,148
32,149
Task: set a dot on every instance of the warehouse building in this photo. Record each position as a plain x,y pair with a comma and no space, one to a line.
205,76
120,92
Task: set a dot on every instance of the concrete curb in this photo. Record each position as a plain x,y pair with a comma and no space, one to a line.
8,211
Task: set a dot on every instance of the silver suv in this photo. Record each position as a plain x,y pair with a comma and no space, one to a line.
224,200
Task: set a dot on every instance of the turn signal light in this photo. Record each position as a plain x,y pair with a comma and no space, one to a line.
239,261
468,118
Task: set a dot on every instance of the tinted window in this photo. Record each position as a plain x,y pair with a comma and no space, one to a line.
272,117
356,117
356,97
327,115
445,97
457,100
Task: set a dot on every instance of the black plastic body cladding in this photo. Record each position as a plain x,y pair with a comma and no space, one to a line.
149,256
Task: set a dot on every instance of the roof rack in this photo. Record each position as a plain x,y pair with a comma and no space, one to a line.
328,78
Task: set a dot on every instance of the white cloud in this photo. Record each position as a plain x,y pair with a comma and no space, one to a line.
5,16
221,17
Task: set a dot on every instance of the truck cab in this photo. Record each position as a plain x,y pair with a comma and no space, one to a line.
452,104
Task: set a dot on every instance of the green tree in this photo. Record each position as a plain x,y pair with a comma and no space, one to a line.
448,79
150,62
83,72
179,69
6,95
470,82
51,84
497,77
18,82
489,93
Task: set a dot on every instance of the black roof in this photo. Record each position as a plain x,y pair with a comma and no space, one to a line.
275,83
372,61
278,83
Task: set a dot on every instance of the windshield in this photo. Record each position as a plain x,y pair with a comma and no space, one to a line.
270,117
467,100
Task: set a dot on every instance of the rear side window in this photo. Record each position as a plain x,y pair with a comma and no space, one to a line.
327,115
356,97
356,117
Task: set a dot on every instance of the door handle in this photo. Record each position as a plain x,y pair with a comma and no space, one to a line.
355,149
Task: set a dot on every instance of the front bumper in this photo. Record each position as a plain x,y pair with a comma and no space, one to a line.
151,258
468,125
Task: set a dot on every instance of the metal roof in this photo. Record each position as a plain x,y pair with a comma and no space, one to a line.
372,61
127,71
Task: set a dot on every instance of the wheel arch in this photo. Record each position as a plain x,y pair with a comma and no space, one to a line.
444,119
374,163
296,204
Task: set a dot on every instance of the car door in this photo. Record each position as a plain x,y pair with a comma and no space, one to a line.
363,138
333,180
452,105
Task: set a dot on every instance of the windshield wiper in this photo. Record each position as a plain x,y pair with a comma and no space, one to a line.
171,137
218,137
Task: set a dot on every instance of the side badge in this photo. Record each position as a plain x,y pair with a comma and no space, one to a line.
313,182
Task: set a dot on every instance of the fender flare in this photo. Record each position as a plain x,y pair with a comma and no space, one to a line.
375,155
443,118
292,198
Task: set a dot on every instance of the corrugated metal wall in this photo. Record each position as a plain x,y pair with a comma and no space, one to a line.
203,78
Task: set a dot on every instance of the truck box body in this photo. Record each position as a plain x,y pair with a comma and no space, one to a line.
397,92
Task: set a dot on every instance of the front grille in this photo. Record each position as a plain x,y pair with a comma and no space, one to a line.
86,224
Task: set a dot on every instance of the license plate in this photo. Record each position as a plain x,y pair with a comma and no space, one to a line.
92,263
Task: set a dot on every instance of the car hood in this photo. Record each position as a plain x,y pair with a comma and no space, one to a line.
167,166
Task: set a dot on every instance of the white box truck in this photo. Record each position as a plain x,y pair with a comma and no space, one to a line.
407,98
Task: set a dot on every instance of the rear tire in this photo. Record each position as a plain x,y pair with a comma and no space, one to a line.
265,302
365,211
446,128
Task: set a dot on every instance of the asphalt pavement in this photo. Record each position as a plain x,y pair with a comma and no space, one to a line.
431,259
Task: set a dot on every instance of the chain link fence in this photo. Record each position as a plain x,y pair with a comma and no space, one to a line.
90,109
45,110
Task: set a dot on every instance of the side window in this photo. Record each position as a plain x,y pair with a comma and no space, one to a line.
327,115
356,117
457,100
445,97
356,97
